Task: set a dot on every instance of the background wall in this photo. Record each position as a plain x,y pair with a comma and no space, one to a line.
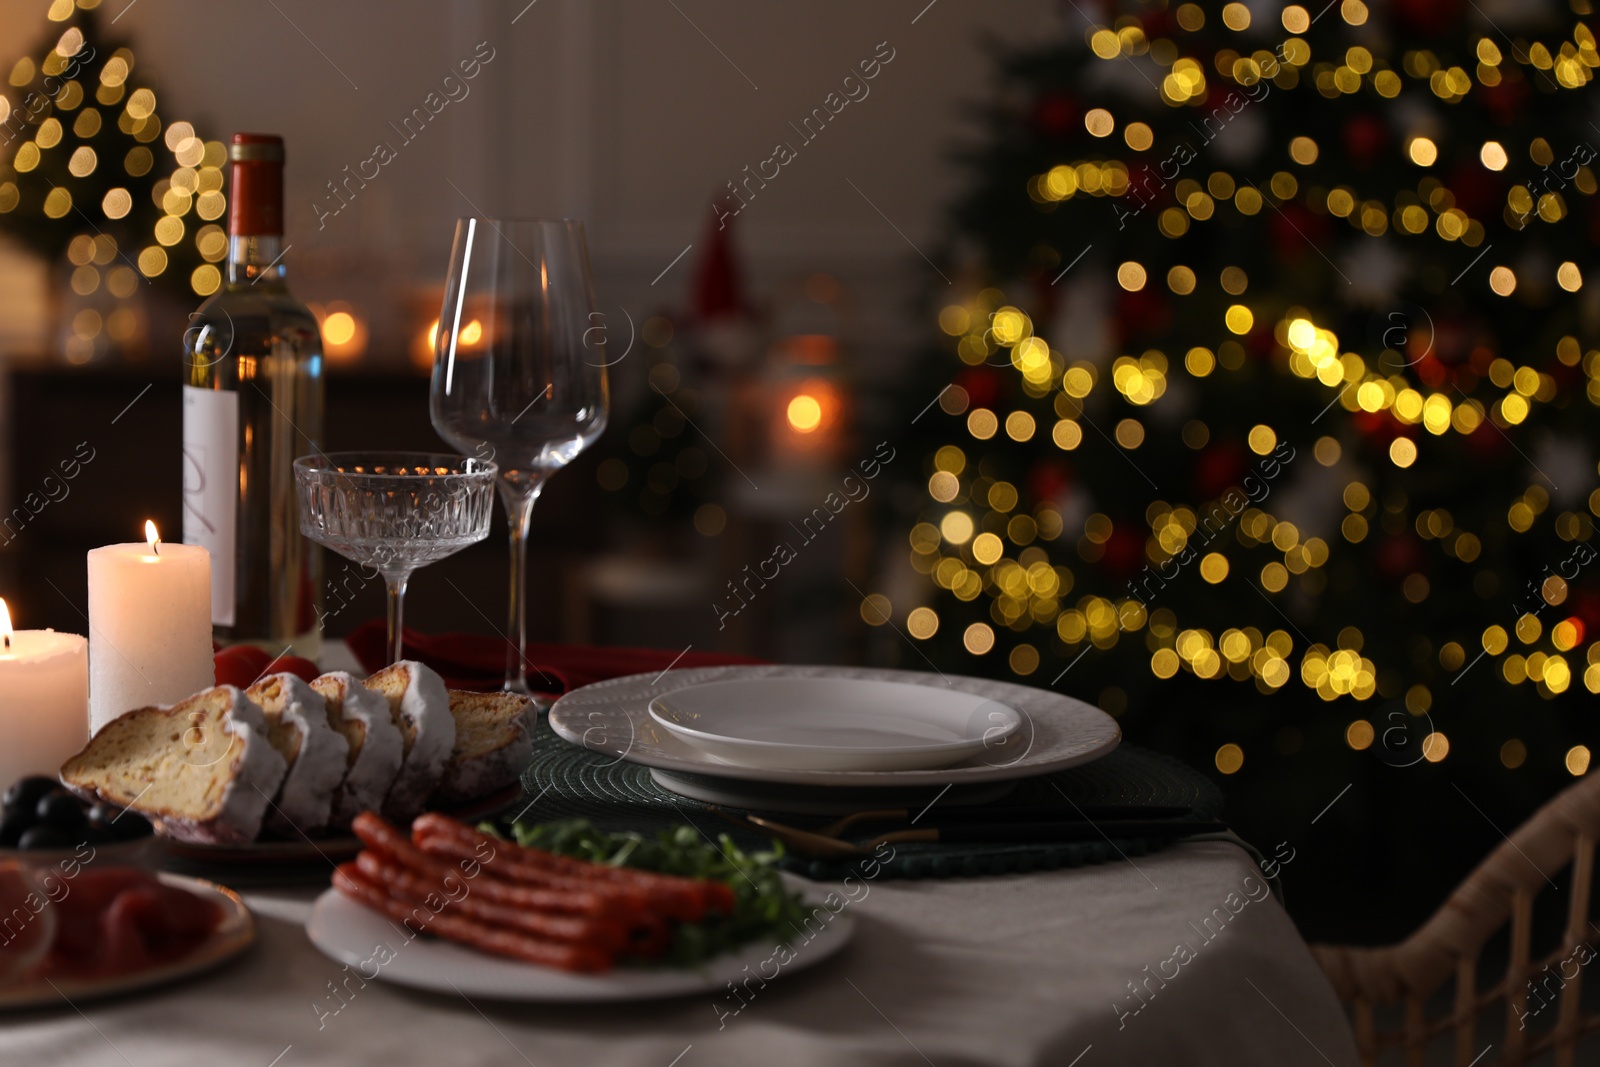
628,115
632,116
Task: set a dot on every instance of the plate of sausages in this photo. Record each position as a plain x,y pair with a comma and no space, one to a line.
452,909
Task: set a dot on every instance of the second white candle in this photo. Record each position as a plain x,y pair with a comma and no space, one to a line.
149,626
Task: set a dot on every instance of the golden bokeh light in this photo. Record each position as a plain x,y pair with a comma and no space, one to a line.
978,638
875,609
1359,735
1422,151
956,527
116,203
1230,757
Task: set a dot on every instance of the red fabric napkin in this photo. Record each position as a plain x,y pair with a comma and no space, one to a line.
476,662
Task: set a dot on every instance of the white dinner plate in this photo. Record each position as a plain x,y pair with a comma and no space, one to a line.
613,717
834,724
232,936
378,948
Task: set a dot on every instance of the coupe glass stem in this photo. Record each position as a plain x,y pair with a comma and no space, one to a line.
396,581
518,492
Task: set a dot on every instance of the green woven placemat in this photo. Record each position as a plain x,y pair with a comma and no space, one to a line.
567,781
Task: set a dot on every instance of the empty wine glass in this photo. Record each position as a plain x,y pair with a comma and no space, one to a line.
394,512
519,373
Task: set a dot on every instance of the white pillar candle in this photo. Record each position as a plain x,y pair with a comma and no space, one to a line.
44,699
149,626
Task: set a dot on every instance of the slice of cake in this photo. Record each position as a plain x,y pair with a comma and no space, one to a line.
298,727
373,741
202,768
494,742
420,707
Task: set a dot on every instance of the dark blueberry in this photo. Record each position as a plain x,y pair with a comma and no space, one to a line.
25,793
12,826
103,814
44,837
62,812
129,826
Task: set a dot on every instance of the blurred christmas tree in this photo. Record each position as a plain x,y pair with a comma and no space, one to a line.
1269,385
89,169
658,467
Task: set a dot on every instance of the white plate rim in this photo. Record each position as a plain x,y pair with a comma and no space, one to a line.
233,935
446,967
965,744
571,717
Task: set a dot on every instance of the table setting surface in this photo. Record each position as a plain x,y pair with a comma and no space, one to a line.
1021,969
1133,950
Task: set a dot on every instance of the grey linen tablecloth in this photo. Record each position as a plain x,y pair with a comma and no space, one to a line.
1015,970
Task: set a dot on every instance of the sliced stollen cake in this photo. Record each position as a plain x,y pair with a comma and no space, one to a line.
298,727
374,747
420,707
203,768
494,742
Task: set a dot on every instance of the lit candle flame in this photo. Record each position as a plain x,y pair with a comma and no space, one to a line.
5,623
153,537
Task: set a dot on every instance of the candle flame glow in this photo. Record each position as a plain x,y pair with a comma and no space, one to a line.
5,623
151,536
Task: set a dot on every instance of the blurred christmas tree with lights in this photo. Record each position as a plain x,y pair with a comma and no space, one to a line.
89,169
1269,371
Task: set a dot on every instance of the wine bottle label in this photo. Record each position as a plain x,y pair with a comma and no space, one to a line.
211,486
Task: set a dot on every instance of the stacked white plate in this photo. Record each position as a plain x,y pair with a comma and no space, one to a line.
830,738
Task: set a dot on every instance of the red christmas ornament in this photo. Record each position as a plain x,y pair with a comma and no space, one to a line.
1124,552
1433,18
1487,443
1296,232
1365,137
1158,24
1143,313
1586,606
1432,372
1218,469
716,291
1507,102
982,385
1050,480
1055,114
1399,556
1261,343
1477,190
1566,377
1376,425
1148,190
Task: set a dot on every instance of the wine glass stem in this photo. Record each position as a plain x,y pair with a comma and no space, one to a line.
397,599
518,497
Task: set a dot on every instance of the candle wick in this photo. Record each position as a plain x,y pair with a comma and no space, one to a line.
8,642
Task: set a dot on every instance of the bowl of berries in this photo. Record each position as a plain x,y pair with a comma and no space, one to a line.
43,824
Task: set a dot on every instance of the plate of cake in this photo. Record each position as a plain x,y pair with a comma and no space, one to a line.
277,771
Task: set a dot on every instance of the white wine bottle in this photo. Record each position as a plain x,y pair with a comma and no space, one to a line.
252,404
